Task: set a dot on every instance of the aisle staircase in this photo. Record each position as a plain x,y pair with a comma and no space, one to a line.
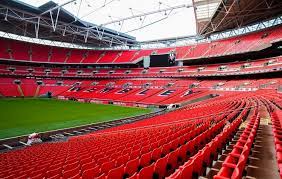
37,91
262,161
20,90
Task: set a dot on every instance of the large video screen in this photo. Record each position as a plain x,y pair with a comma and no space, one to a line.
163,60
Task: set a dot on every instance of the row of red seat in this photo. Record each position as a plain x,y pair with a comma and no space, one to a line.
273,103
234,165
23,51
178,144
29,88
109,151
165,165
258,66
129,91
277,132
197,164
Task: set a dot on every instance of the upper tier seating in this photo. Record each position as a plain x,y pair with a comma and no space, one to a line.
75,56
58,55
20,51
40,53
23,51
4,49
125,56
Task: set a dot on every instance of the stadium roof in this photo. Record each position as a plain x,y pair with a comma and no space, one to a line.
220,15
99,23
75,21
51,21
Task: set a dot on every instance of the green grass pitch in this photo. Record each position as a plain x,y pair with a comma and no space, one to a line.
24,116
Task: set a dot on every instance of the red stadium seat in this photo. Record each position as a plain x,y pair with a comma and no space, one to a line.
106,167
146,172
91,173
117,173
160,167
145,159
131,167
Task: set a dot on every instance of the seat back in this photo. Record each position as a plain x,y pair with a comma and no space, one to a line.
146,172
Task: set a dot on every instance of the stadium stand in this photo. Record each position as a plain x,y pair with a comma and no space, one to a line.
226,119
116,151
243,67
23,51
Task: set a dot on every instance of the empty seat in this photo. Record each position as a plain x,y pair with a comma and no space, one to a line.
131,167
116,173
145,160
91,173
106,167
146,172
160,167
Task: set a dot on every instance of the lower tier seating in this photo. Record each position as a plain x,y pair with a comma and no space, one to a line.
179,144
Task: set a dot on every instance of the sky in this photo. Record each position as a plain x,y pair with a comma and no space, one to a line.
179,22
